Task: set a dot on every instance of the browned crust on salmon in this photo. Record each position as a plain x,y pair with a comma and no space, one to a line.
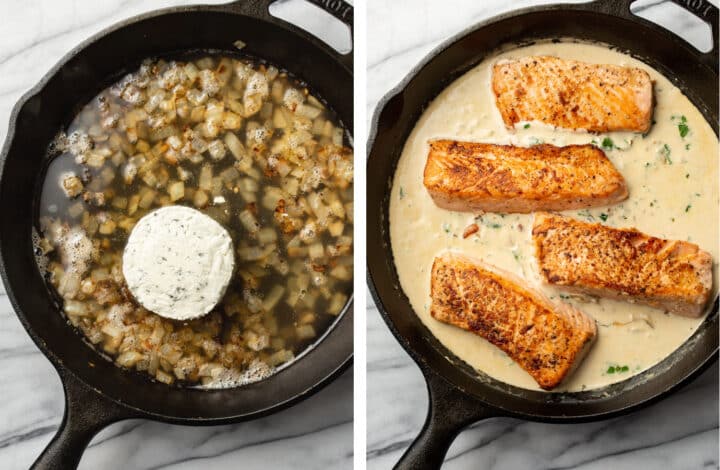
469,176
573,94
546,340
625,264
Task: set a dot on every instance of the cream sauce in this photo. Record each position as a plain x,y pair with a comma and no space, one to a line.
673,184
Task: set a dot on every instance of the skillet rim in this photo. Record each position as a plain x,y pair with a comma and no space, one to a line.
434,377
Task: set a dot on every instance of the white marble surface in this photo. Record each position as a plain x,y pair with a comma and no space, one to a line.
316,434
681,432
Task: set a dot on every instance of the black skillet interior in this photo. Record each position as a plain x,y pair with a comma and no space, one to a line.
459,395
97,392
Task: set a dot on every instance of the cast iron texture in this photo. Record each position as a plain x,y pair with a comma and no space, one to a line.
98,393
460,395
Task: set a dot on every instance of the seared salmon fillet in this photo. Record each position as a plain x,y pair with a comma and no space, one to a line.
546,340
573,94
471,177
625,264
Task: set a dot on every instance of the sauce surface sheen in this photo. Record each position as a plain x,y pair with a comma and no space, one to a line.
672,176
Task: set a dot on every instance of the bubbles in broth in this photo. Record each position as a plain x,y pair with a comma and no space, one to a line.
248,146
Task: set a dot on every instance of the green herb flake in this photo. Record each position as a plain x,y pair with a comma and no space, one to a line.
402,192
687,146
487,223
617,369
683,128
687,208
526,126
586,214
665,152
603,217
446,228
687,175
608,144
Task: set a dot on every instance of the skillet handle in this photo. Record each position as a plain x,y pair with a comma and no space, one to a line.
449,412
709,13
702,9
340,9
86,413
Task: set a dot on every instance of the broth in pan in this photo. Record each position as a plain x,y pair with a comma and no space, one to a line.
241,142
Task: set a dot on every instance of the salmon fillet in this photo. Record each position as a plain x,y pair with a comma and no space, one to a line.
625,264
573,94
546,340
471,177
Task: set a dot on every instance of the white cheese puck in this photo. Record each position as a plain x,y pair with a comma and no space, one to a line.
178,262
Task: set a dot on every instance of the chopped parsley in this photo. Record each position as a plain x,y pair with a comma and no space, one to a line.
526,126
687,175
488,223
687,208
617,369
665,152
402,192
608,144
603,217
446,228
586,214
683,128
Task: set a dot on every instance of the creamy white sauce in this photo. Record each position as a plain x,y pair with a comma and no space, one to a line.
178,262
673,196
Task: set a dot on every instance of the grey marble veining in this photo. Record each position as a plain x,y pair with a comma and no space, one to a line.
680,432
315,434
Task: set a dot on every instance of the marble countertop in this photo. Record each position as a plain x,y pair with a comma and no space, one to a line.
680,432
315,434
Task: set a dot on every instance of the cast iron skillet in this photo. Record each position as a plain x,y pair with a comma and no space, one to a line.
98,393
458,394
